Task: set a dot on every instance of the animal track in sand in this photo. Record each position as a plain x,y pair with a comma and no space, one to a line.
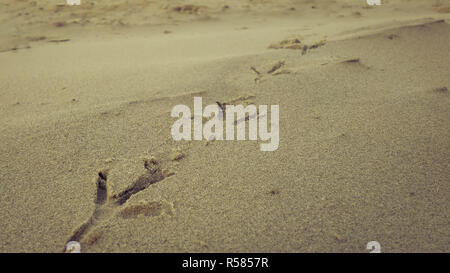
353,62
107,204
243,100
102,191
392,36
442,89
153,175
59,40
190,9
275,69
297,44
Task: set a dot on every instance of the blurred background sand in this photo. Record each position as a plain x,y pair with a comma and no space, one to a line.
86,94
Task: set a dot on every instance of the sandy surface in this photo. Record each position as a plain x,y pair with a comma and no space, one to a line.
86,151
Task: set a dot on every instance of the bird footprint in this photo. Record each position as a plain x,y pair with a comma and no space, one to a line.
107,204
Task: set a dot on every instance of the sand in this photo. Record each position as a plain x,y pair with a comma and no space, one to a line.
86,95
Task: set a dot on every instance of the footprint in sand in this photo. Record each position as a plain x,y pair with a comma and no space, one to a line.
353,62
296,44
277,68
441,90
107,205
241,100
392,36
189,9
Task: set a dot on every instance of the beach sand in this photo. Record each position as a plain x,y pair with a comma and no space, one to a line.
86,94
